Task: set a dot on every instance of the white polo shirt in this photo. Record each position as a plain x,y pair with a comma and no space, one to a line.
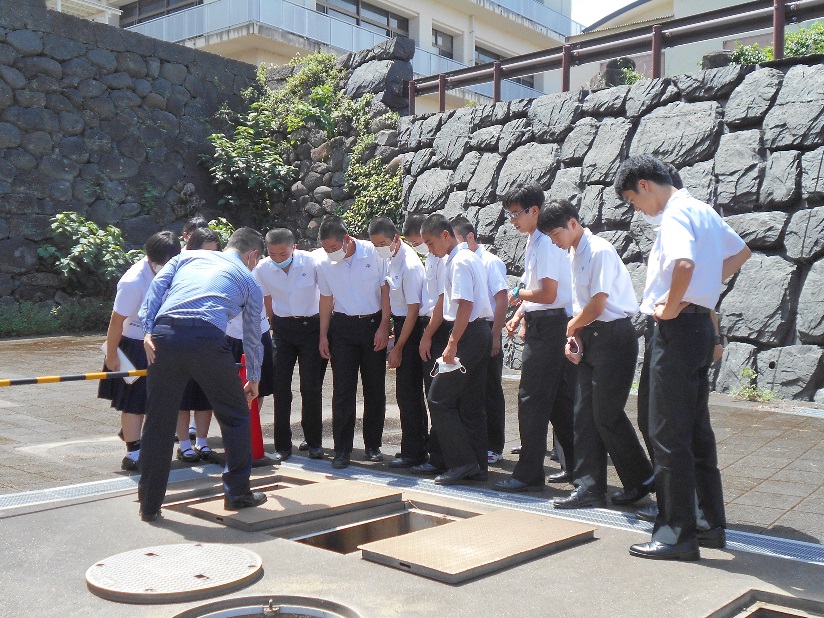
405,279
690,230
131,291
234,328
465,280
432,284
355,282
597,268
543,260
294,293
495,275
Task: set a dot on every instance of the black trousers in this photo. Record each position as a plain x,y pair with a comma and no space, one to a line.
409,393
352,346
601,425
296,341
439,340
686,461
495,402
643,388
457,401
545,394
192,349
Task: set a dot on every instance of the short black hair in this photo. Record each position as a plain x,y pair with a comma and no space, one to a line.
525,194
435,224
463,227
245,239
280,236
200,236
642,167
413,224
556,213
332,226
675,177
194,223
383,226
161,247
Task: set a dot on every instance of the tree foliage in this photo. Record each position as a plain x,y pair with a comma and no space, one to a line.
801,42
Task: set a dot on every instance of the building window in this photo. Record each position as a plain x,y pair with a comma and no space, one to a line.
144,10
366,15
444,43
484,56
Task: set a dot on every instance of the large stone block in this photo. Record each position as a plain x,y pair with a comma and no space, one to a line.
760,230
699,128
31,119
739,169
638,274
782,179
387,76
749,102
465,170
448,149
642,233
553,115
489,219
649,93
797,117
455,205
589,212
567,185
14,78
759,306
792,372
812,175
10,136
623,243
422,132
607,151
531,162
578,142
699,180
17,256
712,83
810,319
514,134
511,245
62,48
804,237
25,42
430,191
481,189
486,139
737,357
422,161
607,102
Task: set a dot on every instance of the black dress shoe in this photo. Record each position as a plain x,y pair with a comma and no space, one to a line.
149,516
648,513
629,496
373,454
189,455
580,498
481,476
129,464
341,460
560,477
662,551
553,455
284,455
425,468
255,498
315,452
513,484
456,475
304,446
406,462
716,538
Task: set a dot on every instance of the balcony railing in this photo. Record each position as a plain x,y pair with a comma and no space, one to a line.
542,14
296,19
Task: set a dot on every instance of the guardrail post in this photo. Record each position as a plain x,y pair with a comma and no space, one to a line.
497,74
412,95
779,19
566,65
442,92
657,49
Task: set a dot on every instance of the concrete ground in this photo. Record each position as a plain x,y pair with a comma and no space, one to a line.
771,456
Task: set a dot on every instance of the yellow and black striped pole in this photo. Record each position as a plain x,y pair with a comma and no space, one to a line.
100,375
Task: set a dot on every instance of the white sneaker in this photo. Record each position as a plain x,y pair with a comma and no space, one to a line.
493,457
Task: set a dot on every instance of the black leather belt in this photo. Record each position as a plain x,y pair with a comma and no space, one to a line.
541,313
182,321
695,309
358,317
601,325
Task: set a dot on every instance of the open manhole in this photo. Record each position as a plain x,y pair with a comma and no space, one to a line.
346,539
761,604
271,607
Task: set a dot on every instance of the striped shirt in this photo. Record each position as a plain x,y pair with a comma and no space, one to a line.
212,286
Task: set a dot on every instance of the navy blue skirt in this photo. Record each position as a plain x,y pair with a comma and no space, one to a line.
267,368
129,398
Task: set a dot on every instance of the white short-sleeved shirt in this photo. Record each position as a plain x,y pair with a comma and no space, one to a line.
690,230
495,275
405,279
294,293
543,260
433,283
234,328
131,291
355,282
465,280
597,268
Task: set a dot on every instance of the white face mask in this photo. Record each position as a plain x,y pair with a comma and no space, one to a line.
442,367
384,252
654,221
336,256
422,249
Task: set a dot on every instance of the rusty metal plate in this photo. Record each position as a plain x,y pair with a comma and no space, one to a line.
464,549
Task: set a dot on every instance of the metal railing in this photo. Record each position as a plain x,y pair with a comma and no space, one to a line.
758,15
540,13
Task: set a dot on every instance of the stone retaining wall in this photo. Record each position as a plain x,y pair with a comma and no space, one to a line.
751,142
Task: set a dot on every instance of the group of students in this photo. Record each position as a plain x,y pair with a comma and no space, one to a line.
574,309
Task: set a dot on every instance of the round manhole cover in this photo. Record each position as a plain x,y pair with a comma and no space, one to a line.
173,573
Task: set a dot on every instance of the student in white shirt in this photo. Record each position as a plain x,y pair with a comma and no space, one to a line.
498,298
289,280
126,334
405,279
352,279
603,303
456,398
546,390
693,253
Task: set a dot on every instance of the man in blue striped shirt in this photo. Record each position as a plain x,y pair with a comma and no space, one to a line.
185,314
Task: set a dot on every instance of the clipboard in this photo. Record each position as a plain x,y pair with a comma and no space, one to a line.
125,364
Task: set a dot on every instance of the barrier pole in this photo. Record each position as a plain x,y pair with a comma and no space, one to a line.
779,19
254,420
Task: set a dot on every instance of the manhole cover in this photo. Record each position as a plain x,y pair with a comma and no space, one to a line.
173,573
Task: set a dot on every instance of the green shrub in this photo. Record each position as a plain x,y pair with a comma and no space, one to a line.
630,76
748,390
223,229
801,42
27,319
751,54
